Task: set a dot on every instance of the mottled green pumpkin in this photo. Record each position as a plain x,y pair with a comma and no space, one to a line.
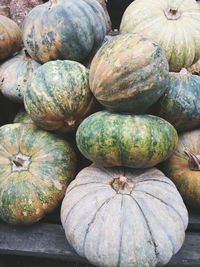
58,96
183,167
22,117
61,29
136,141
14,74
35,169
129,73
180,104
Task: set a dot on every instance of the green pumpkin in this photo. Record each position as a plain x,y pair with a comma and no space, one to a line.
136,141
35,169
58,96
22,117
180,104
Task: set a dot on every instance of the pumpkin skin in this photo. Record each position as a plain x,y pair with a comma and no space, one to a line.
14,74
36,167
178,18
136,141
58,96
62,29
180,104
124,217
10,38
195,68
22,117
183,168
5,11
128,73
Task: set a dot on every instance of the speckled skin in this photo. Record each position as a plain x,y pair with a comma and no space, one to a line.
129,73
175,25
58,96
14,74
139,141
10,38
180,104
124,217
178,170
27,195
62,29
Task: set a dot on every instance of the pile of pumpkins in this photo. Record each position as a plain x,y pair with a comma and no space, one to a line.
129,103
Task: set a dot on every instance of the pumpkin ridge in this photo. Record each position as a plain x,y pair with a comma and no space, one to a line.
153,180
121,231
85,184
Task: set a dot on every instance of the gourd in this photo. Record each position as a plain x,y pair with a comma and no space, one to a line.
136,141
58,97
10,38
179,19
22,117
183,167
14,74
180,104
124,217
62,29
129,73
36,167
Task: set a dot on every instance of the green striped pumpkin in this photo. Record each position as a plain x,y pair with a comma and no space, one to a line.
136,141
35,169
58,96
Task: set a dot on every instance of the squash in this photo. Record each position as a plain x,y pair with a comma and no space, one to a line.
58,96
5,11
36,167
183,167
108,20
22,117
129,73
195,68
136,141
14,74
10,38
175,25
180,104
124,217
62,29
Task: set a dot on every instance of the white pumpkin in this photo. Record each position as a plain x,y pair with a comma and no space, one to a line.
174,24
124,217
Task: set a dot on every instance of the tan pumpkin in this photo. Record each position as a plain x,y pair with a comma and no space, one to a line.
175,25
124,217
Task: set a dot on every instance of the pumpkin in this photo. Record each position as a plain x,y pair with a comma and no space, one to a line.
129,73
124,217
183,167
62,29
10,38
36,167
5,11
58,96
175,25
195,68
108,20
180,104
14,74
136,141
20,8
22,117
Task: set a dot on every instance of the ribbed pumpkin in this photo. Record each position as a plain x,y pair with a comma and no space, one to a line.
58,96
10,38
175,25
183,167
124,217
62,29
136,141
14,74
129,73
36,167
180,104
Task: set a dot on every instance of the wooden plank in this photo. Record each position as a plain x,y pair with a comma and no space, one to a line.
48,240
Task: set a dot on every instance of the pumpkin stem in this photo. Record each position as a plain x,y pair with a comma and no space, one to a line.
193,160
172,13
18,162
122,185
26,53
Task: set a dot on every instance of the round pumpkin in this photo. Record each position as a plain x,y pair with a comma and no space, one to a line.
14,74
124,217
22,117
136,141
180,104
129,73
183,167
10,38
175,25
36,167
58,96
62,29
